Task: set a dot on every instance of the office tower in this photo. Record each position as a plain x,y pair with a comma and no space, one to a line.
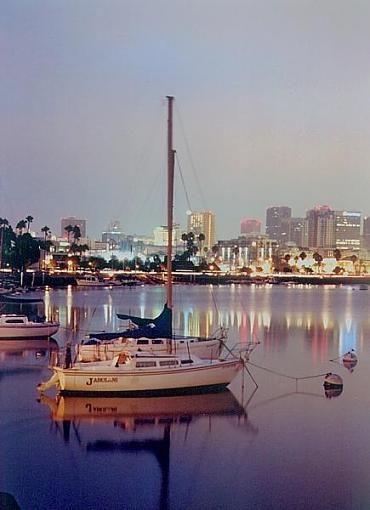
321,227
71,220
298,231
250,226
347,230
160,235
366,233
278,223
203,223
113,234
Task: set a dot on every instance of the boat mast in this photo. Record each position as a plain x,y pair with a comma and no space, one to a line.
170,179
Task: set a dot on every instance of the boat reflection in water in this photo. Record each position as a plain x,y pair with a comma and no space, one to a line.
132,412
29,354
146,423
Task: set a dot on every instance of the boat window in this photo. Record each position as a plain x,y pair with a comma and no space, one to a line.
145,364
168,363
14,321
142,342
157,342
186,361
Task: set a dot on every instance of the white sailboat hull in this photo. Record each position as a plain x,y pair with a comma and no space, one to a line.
114,380
29,330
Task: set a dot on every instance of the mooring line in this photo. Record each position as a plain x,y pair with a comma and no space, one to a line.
285,375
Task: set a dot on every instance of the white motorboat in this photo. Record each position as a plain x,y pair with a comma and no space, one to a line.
90,280
145,374
19,326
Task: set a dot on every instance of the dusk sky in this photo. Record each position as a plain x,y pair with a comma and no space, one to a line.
272,108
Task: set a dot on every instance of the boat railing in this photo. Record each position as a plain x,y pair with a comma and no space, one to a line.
240,349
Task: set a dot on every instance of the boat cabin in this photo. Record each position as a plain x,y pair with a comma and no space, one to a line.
143,361
13,319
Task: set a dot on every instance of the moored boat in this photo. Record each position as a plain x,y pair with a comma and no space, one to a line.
90,281
145,374
19,326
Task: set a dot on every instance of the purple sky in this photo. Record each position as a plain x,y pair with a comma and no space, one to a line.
272,108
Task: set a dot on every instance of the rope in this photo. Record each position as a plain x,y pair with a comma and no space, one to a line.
190,157
285,375
183,182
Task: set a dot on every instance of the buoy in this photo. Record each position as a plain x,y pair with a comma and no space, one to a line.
333,381
350,357
333,392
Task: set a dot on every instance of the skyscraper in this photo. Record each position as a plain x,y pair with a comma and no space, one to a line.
347,230
250,226
278,223
203,223
298,231
320,227
366,233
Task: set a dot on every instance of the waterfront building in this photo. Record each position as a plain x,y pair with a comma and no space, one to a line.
203,223
71,220
246,250
250,226
278,223
347,230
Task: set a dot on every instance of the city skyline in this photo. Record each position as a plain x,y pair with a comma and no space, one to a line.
271,106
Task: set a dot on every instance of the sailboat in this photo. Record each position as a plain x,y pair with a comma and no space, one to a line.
146,373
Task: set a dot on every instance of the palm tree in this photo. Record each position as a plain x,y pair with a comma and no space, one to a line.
76,233
4,224
184,239
29,220
201,239
68,229
20,226
337,254
46,231
318,259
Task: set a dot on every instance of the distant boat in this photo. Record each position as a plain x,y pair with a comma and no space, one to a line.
363,286
20,297
90,281
19,326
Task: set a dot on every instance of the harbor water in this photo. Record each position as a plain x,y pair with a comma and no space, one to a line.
286,444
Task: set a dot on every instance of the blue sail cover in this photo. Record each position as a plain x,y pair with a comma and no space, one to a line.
160,326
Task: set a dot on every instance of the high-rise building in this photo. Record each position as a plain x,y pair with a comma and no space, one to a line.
347,230
250,226
203,223
161,235
113,235
320,227
278,223
366,233
71,220
298,231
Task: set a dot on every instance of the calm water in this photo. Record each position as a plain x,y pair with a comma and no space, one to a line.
284,446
